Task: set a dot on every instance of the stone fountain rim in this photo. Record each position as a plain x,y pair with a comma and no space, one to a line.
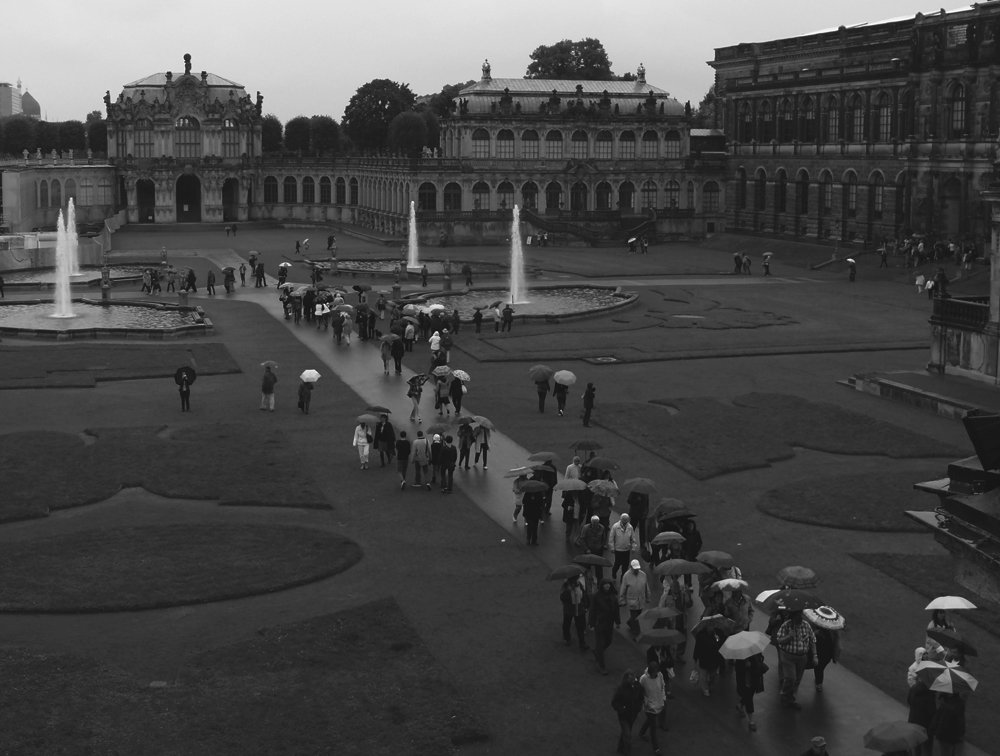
201,327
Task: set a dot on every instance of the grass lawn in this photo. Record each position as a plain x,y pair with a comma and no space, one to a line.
42,471
871,501
931,576
354,683
707,438
82,365
124,569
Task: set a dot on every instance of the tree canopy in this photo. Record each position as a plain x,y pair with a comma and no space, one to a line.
704,116
297,134
443,102
324,134
371,110
586,59
97,136
19,133
408,133
270,133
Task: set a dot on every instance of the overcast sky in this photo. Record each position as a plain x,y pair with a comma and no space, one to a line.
307,57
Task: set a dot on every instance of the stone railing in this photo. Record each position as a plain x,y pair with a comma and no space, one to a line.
966,313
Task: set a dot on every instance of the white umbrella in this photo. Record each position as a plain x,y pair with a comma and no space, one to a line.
950,602
850,259
569,484
310,376
765,595
284,265
744,644
730,584
565,377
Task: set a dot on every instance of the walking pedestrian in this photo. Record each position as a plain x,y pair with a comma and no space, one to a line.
518,495
409,336
852,268
396,351
508,318
385,352
442,400
147,286
621,541
654,699
1,287
707,643
575,603
827,648
421,460
559,391
467,272
634,594
402,458
423,276
191,280
436,445
446,344
466,438
305,396
449,458
767,265
588,404
644,244
362,442
385,440
414,392
604,617
593,537
457,391
483,445
243,274
184,389
542,387
923,706
948,725
477,319
497,316
569,512
883,252
749,682
380,305
267,389
638,512
533,503
796,644
627,702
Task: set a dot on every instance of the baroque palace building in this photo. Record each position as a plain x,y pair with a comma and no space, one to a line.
871,131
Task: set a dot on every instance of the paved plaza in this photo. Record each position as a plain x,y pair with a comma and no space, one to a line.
456,566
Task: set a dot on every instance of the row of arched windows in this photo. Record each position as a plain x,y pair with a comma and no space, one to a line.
825,186
330,192
831,118
53,193
580,146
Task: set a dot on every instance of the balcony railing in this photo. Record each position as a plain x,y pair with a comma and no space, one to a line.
967,313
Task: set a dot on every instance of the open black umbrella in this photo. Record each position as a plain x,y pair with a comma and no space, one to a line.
951,639
532,486
187,371
792,600
540,373
594,559
379,409
586,444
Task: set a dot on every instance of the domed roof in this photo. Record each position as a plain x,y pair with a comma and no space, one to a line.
209,87
29,105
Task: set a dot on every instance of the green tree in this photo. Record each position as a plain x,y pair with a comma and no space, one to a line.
372,108
433,128
47,136
270,133
586,59
19,135
97,136
324,134
704,116
297,134
408,133
444,101
72,136
94,115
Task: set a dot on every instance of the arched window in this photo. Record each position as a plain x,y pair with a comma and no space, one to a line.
481,196
883,120
452,196
851,194
741,190
529,195
86,195
956,112
290,190
480,143
554,145
187,138
746,122
43,193
626,195
505,144
104,192
70,191
325,194
786,126
876,196
907,120
342,191
780,192
760,190
55,194
553,195
765,128
710,197
427,197
505,195
578,195
230,138
354,191
270,190
671,145
802,193
602,195
807,120
831,112
856,116
671,195
826,181
579,144
651,144
626,145
602,145
648,194
690,195
144,138
529,144
308,190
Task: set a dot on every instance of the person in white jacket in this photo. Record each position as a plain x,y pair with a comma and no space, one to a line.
363,443
621,540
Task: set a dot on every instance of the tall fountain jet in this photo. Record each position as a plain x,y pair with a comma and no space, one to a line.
414,259
73,239
64,303
518,286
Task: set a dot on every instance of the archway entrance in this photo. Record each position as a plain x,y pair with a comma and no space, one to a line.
230,200
188,199
145,199
951,209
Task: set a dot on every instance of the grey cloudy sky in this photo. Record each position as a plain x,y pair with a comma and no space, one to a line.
307,57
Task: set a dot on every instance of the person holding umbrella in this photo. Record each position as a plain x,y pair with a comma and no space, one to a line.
414,391
267,387
483,445
456,391
362,441
396,351
466,439
747,649
534,500
562,381
827,624
796,644
305,389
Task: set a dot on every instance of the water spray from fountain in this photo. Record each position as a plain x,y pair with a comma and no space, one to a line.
64,303
518,286
72,239
414,259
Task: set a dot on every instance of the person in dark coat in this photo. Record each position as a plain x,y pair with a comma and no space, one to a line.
605,616
575,603
455,391
542,387
923,706
594,538
184,389
827,650
305,396
423,276
449,458
749,682
507,322
706,652
385,440
638,511
569,512
210,286
588,404
191,280
467,272
533,503
627,701
549,476
466,440
477,318
559,391
948,725
691,546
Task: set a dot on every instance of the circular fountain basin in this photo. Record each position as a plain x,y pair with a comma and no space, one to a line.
434,267
92,319
88,276
544,302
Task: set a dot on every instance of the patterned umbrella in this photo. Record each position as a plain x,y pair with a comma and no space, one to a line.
441,370
791,600
540,373
717,559
714,622
730,584
461,375
798,577
826,617
948,680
